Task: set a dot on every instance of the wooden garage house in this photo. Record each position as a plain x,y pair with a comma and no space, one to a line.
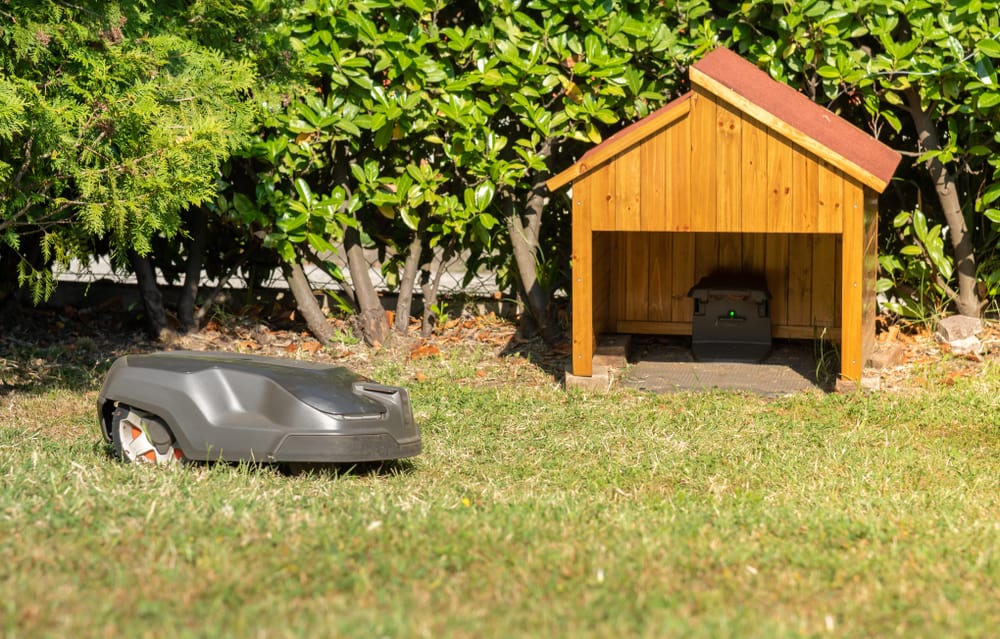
742,174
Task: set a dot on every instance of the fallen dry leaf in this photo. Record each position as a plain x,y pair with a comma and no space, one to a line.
424,350
312,346
890,335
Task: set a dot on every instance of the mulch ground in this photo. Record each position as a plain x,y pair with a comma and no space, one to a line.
36,344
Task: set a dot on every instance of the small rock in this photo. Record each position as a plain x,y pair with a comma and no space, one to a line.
966,346
957,327
845,386
601,380
886,355
871,383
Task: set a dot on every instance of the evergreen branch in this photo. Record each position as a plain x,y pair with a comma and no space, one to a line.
29,144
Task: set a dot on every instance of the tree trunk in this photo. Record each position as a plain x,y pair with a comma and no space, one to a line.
192,276
430,289
306,302
524,241
411,267
152,299
371,318
944,184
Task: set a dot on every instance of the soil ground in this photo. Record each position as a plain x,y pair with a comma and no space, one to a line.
39,344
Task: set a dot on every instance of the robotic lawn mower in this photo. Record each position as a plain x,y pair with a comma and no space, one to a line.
199,406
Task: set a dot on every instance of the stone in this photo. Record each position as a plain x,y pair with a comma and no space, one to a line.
966,346
885,355
612,350
600,382
869,382
845,386
957,327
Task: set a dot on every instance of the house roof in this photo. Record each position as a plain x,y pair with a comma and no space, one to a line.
736,81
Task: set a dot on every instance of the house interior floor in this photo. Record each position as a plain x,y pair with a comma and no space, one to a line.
666,364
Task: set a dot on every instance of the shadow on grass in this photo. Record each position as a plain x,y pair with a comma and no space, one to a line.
46,349
386,468
550,359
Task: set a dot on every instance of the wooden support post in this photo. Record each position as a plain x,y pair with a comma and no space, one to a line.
852,285
583,287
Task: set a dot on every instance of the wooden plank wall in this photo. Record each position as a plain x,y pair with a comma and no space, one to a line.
654,271
716,170
857,295
603,267
715,190
869,306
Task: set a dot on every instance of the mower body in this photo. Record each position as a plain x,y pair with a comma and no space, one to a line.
233,407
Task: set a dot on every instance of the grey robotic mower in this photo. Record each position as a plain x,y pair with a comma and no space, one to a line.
170,406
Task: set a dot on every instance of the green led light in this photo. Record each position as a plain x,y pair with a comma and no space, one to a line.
732,313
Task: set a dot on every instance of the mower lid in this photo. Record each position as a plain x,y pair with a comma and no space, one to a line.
329,389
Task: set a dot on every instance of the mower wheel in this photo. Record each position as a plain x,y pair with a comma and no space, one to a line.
141,437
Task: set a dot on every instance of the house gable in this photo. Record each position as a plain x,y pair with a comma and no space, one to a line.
776,106
779,107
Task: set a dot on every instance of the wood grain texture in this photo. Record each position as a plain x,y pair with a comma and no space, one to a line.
830,201
754,247
754,177
604,247
805,192
776,270
598,193
704,83
657,180
637,279
706,255
852,288
628,188
869,270
660,279
799,292
728,169
780,210
624,139
680,183
703,175
730,259
583,311
682,277
824,279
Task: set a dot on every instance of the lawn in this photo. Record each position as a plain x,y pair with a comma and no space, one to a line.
533,512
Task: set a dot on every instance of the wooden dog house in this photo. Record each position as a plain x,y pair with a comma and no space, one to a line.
742,174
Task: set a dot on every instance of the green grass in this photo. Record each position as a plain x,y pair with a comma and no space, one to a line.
532,512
